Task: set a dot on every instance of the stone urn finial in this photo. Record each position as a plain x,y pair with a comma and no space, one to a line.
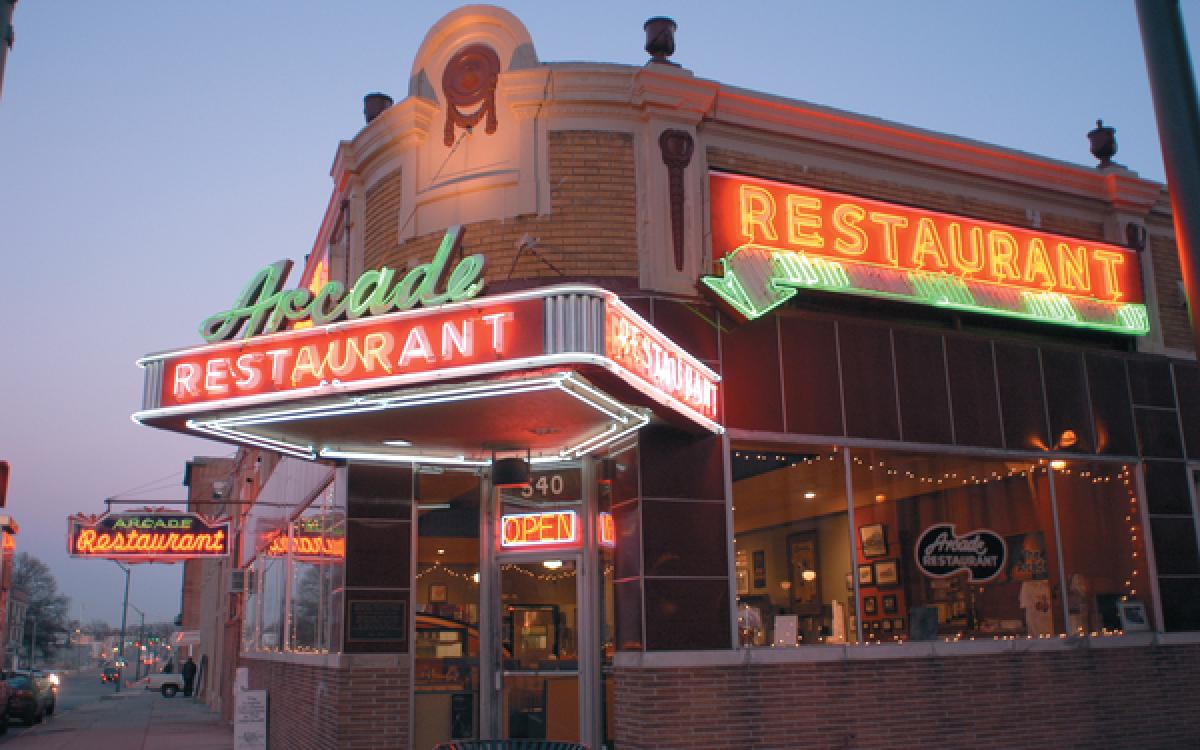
660,39
1104,143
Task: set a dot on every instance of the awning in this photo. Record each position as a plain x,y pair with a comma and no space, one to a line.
560,372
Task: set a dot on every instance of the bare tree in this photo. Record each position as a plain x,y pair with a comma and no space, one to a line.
47,607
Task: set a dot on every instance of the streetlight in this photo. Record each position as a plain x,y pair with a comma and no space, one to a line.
137,668
124,611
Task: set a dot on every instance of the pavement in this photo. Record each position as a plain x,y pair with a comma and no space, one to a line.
130,720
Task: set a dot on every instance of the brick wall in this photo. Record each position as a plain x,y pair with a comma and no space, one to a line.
383,215
363,704
590,232
1172,312
1102,698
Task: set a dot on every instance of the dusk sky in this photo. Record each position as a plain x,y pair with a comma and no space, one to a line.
153,155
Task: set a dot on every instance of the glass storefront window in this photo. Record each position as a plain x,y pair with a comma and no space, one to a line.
792,546
1104,552
318,553
272,581
954,547
446,595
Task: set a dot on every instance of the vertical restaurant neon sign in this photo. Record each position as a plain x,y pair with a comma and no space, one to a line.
654,359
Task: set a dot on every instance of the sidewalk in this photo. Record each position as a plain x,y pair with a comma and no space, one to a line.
130,721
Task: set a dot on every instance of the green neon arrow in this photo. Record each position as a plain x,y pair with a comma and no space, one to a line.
751,300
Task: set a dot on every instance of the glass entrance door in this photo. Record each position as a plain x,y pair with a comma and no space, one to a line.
540,649
537,615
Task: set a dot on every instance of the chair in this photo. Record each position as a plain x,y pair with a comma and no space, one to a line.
510,745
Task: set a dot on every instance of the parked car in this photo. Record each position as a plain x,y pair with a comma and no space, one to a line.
31,698
110,674
167,683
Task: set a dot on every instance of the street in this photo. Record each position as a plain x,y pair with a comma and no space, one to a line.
91,714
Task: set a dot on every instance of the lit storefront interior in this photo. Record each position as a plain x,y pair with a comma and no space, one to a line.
1044,523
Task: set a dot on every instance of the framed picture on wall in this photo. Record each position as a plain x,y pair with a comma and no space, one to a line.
760,569
1133,615
866,575
802,565
870,605
889,604
437,593
887,573
873,538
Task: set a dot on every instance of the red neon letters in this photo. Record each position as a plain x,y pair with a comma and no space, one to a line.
653,358
856,230
392,345
162,536
539,529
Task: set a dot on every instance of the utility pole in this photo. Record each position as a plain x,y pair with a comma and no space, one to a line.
124,611
1174,91
6,33
137,669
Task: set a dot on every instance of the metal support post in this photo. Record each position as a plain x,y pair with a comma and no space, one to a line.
1173,87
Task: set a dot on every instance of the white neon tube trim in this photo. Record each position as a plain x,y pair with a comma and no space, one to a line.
291,449
594,405
382,404
406,459
591,445
582,446
595,393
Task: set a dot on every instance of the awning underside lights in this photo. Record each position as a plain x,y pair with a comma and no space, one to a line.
610,420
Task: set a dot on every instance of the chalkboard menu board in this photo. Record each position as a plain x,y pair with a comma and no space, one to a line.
378,620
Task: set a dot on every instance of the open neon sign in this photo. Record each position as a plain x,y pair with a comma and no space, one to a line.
560,527
160,536
773,239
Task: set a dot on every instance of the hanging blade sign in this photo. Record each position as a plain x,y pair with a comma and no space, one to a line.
147,536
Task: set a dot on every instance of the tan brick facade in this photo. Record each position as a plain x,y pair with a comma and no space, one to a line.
382,214
1172,309
590,232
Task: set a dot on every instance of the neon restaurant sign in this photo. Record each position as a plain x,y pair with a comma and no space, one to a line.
150,536
773,240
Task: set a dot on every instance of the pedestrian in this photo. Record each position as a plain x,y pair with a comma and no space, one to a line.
170,666
189,676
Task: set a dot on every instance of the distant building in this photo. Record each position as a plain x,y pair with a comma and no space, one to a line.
15,648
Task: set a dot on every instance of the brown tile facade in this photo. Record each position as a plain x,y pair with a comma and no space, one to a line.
361,704
1089,698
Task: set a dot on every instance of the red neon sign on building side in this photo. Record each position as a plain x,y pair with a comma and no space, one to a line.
656,360
849,229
